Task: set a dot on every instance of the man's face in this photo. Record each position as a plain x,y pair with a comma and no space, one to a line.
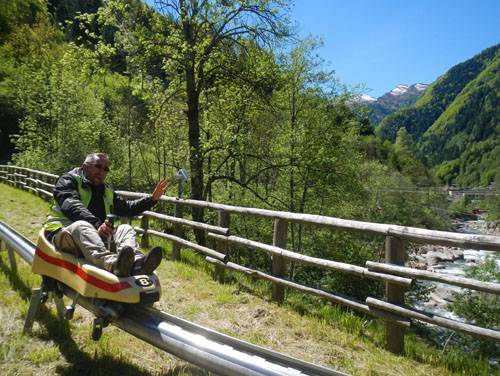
96,172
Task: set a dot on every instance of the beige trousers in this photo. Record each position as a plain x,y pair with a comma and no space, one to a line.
85,237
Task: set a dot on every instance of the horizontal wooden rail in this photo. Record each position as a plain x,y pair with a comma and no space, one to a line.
47,194
185,222
314,261
435,319
40,182
489,287
417,235
186,243
330,296
29,170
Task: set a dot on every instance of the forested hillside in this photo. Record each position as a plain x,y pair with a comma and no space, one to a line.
456,122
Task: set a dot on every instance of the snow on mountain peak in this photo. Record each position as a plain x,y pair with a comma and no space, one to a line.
400,89
366,98
363,98
420,87
403,89
399,93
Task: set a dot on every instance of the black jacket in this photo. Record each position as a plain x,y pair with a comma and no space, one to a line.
67,197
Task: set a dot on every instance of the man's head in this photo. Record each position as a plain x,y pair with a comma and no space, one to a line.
96,167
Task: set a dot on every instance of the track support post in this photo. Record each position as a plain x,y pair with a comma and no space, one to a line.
47,291
33,308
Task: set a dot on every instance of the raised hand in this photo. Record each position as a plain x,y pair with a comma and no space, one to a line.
159,190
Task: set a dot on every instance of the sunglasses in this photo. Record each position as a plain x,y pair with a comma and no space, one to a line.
100,167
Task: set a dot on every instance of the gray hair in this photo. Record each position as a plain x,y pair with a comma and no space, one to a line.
92,158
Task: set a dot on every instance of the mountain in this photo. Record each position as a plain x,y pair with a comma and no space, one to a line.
456,122
399,97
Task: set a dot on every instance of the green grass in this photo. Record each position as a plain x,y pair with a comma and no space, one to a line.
303,326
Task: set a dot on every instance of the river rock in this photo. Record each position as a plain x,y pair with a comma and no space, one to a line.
457,254
422,250
434,257
492,225
486,228
435,267
441,296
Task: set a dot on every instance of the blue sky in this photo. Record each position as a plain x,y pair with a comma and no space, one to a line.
383,43
388,42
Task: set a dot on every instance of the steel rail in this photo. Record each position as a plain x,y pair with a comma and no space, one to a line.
205,348
17,242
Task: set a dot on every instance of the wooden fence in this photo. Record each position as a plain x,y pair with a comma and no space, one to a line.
397,278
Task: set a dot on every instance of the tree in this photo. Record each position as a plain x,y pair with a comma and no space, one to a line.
194,36
64,115
404,143
16,13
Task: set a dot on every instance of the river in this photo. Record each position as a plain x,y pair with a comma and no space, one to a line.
443,294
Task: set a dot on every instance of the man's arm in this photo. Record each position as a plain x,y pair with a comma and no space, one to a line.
131,208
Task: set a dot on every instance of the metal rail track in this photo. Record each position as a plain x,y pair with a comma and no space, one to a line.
205,348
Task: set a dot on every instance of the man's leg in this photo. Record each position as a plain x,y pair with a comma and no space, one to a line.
90,243
125,236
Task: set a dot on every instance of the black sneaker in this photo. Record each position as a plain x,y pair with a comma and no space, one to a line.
124,262
149,263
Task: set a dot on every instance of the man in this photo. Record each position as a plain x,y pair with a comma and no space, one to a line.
77,223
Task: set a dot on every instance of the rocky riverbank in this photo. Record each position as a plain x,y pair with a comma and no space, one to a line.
433,257
449,260
480,227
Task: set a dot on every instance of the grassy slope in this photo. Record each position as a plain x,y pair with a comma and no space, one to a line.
240,308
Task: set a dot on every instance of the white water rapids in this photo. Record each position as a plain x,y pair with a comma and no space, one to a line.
443,294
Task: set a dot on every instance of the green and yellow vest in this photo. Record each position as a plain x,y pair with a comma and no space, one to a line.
56,219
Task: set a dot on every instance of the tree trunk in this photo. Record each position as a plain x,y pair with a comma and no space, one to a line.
195,153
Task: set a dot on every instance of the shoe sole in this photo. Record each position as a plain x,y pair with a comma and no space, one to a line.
124,262
152,261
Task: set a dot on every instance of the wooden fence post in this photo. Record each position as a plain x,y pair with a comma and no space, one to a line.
17,179
176,247
34,184
38,184
222,247
145,235
395,254
279,240
12,178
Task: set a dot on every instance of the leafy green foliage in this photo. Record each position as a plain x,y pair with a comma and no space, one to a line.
480,308
16,13
64,118
398,188
22,50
